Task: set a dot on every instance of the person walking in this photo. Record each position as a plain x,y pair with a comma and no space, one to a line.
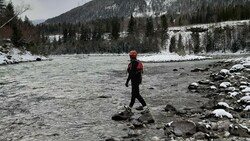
135,70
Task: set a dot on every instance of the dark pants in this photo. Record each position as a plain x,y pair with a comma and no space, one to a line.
136,94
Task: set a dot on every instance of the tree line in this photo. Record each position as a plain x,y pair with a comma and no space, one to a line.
116,34
22,33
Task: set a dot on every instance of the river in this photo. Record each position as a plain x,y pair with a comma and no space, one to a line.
73,97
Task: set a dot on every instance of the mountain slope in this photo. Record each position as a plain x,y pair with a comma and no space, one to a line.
98,9
101,9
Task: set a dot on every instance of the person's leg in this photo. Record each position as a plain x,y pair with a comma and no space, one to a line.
133,96
138,96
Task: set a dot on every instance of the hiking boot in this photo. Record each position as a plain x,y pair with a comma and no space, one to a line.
140,108
128,109
145,110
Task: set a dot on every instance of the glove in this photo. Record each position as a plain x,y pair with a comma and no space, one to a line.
126,84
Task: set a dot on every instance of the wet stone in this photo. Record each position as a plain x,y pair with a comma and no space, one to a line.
192,87
199,136
146,118
104,96
204,82
139,108
183,128
125,115
170,108
199,69
238,130
137,124
151,88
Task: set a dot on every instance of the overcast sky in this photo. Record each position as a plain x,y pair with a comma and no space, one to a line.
44,9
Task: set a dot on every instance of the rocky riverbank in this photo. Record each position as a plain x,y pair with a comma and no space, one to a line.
224,116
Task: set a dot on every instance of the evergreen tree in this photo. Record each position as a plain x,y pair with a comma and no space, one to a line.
115,28
196,40
2,7
131,25
149,27
172,47
164,22
210,42
181,50
27,21
236,46
10,13
65,35
97,32
17,36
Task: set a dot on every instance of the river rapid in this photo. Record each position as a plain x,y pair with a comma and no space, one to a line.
73,97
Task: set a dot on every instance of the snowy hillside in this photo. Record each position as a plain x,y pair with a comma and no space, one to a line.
182,42
14,56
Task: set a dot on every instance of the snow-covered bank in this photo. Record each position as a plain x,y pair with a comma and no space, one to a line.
168,57
14,56
212,37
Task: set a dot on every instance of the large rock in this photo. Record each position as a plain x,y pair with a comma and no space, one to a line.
239,130
125,115
193,86
170,108
181,128
217,77
200,69
199,136
146,118
184,128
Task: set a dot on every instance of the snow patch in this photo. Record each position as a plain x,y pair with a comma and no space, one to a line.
224,104
222,113
114,6
245,99
213,88
247,108
225,84
168,57
233,94
225,72
195,84
169,124
246,90
237,67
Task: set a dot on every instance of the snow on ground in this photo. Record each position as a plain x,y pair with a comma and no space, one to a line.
221,113
220,24
245,99
225,84
247,108
15,56
167,57
225,105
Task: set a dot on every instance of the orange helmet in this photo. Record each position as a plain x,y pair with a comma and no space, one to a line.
133,54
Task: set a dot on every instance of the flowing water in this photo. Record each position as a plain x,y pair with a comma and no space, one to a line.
73,97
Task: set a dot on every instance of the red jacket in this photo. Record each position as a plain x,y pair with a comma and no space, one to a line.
135,70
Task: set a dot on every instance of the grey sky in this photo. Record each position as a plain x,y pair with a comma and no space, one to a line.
44,9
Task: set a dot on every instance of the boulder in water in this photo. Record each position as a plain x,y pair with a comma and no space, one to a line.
38,59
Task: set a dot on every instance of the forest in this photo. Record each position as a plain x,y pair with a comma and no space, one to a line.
121,34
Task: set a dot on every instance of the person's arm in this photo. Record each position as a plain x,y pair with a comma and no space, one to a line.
129,77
